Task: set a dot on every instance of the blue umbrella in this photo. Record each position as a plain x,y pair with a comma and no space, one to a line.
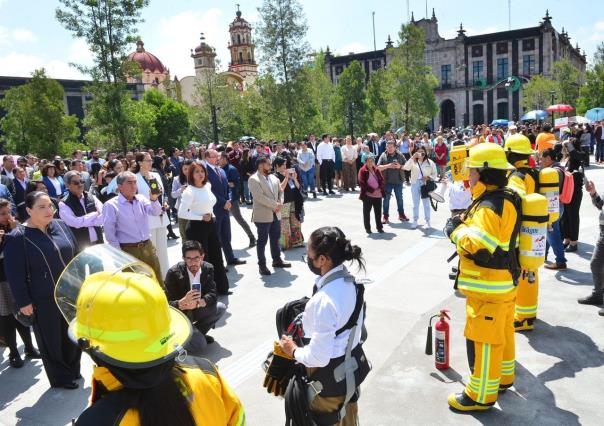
595,114
500,122
537,114
400,130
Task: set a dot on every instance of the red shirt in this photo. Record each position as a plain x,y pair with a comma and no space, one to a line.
441,151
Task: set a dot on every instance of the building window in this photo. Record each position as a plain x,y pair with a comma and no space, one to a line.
376,64
445,75
502,93
528,44
502,68
238,38
502,111
477,69
339,70
477,95
501,48
476,51
528,65
478,114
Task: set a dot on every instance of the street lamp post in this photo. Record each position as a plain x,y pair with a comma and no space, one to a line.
350,118
552,93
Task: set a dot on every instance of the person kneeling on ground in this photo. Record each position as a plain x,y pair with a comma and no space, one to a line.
190,287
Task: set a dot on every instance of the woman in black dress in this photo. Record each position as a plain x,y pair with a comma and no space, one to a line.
35,254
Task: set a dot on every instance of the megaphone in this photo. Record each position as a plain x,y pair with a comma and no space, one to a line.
438,195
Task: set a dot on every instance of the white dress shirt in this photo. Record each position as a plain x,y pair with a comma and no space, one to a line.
325,151
349,153
328,310
196,202
155,222
194,279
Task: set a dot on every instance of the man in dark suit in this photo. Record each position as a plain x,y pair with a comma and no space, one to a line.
190,287
220,189
20,184
374,145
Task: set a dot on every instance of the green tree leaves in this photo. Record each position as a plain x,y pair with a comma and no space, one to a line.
35,121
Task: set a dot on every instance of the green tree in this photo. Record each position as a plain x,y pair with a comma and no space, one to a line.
537,93
567,79
109,27
281,37
377,105
410,83
171,120
35,121
592,92
349,106
321,91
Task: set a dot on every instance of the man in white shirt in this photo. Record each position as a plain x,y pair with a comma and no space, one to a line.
190,287
326,156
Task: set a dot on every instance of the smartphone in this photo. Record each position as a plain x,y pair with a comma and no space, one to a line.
196,287
154,187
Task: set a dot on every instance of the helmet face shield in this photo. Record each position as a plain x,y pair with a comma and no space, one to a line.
117,311
97,259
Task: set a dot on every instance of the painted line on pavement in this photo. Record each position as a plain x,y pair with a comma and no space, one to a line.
239,371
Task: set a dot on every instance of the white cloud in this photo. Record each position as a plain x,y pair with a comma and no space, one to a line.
78,53
180,33
354,47
23,35
16,64
16,35
598,32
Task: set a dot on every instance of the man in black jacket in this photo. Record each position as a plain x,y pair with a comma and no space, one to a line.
81,211
190,287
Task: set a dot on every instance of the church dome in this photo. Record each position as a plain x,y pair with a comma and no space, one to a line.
147,61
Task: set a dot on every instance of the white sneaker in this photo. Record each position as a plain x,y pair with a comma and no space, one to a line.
414,225
428,225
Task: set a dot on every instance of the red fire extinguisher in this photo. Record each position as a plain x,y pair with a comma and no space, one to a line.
441,340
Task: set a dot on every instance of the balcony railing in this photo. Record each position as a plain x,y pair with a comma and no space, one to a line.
243,62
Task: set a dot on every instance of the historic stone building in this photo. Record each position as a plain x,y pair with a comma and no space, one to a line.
153,70
480,77
242,68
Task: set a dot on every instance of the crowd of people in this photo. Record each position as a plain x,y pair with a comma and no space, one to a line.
52,209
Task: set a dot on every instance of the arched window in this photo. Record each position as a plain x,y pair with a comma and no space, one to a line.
238,38
240,57
249,57
478,114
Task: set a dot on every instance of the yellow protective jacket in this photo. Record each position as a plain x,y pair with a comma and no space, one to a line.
484,238
522,180
212,401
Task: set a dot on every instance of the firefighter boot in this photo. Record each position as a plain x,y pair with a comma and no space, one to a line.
524,325
462,402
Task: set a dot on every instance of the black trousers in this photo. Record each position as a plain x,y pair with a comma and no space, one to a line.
206,234
9,327
368,204
569,224
327,174
60,356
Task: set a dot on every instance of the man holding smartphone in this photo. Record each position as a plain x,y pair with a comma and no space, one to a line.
190,287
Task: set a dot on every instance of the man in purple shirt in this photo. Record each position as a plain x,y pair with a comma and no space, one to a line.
125,219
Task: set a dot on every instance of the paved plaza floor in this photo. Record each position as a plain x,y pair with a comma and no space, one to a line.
560,365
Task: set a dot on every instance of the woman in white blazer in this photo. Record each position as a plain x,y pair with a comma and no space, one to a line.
157,224
422,169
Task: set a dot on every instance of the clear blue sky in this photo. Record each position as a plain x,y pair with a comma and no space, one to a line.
30,37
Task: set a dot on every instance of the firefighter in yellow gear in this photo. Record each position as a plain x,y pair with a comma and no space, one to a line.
485,237
524,180
119,315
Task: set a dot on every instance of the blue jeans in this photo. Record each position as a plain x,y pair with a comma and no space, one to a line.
308,179
554,240
266,231
398,193
416,192
600,150
246,191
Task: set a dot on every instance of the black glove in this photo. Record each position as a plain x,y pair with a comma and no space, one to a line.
279,371
452,224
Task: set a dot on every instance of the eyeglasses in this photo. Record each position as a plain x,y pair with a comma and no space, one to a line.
192,259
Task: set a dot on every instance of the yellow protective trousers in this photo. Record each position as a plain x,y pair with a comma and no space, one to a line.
526,297
491,348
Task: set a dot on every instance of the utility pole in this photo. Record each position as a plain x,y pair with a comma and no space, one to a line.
373,19
407,11
509,14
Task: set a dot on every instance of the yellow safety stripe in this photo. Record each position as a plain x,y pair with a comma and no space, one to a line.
526,309
480,286
241,420
486,363
488,240
107,335
476,380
